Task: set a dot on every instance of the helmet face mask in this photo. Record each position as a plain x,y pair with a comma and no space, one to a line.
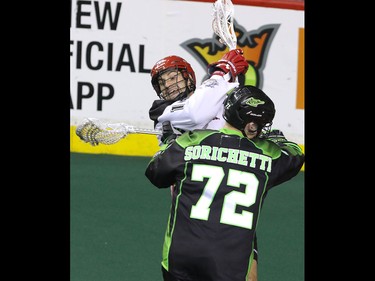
247,104
172,84
173,69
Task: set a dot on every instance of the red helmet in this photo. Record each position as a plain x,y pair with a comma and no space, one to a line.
173,63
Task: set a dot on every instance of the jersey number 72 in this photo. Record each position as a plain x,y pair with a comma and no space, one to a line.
215,175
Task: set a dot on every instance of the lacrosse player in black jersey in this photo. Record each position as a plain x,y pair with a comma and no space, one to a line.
221,179
182,106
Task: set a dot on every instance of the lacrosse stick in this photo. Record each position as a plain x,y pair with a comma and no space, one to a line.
222,23
94,131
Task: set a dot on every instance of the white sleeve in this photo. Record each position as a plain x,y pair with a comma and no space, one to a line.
201,107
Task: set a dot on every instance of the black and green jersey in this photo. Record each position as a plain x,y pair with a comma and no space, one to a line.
220,180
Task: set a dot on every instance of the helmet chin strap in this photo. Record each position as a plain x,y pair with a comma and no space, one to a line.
251,132
184,94
188,89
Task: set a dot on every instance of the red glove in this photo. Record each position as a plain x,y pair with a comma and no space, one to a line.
232,62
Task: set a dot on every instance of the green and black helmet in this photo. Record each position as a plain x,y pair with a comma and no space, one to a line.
247,104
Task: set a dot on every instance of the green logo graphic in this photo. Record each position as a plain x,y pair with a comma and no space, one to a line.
253,102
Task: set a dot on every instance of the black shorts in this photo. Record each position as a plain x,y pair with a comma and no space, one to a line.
169,277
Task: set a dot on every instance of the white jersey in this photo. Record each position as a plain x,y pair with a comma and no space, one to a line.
202,110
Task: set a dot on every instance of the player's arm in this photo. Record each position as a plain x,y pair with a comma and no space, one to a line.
289,161
163,166
201,107
231,65
253,273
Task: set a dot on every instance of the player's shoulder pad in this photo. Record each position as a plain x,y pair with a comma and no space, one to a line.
274,150
268,147
194,137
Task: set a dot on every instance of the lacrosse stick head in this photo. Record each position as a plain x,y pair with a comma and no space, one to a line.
222,23
93,131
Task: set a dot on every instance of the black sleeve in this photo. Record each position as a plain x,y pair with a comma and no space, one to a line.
163,167
157,109
288,164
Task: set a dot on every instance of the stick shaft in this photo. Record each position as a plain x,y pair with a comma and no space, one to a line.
135,130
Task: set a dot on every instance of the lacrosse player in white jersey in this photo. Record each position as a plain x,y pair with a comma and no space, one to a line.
184,107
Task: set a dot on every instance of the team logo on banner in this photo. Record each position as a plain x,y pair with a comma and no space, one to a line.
255,45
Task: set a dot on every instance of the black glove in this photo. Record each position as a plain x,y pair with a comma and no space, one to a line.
276,136
168,134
